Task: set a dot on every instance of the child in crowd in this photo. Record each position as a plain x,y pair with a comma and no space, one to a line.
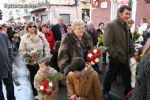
133,63
83,82
44,72
133,67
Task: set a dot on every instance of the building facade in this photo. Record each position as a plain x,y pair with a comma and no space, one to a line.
107,10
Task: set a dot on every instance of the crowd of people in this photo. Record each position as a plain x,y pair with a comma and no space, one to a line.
63,49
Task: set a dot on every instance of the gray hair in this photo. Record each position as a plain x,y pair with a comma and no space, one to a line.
76,23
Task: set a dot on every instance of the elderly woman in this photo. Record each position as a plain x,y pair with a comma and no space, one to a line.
75,44
142,86
30,40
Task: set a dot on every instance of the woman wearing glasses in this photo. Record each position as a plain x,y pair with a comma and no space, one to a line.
36,42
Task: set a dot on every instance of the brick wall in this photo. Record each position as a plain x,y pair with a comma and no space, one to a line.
143,11
101,15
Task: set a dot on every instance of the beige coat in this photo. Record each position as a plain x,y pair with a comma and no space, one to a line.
38,80
37,41
84,84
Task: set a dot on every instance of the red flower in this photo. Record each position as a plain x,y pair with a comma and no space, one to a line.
45,86
93,58
98,53
46,82
33,55
43,91
92,52
88,58
49,93
53,88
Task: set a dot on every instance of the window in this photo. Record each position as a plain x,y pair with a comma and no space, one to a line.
44,18
85,15
66,18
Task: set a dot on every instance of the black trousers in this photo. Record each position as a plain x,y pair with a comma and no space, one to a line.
104,56
33,70
116,66
8,82
96,68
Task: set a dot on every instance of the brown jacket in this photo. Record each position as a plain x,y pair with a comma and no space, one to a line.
118,40
84,84
72,47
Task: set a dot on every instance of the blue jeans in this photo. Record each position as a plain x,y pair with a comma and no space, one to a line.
8,82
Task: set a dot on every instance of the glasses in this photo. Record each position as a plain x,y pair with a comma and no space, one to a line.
32,26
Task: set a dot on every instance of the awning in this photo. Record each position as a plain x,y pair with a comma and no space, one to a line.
38,10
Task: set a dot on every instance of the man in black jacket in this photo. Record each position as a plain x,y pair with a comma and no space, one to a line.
59,29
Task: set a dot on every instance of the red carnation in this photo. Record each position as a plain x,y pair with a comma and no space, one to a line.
45,82
92,52
45,86
53,88
49,93
88,58
33,55
98,53
43,91
93,58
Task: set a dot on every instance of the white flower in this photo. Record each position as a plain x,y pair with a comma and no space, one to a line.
95,50
41,87
92,62
50,84
96,60
90,55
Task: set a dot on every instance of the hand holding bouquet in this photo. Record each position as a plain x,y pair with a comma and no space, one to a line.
47,88
32,55
94,56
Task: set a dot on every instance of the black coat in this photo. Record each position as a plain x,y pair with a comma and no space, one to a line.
57,33
54,62
93,35
6,56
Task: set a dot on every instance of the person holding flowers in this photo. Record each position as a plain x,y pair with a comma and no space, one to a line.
33,47
76,44
46,81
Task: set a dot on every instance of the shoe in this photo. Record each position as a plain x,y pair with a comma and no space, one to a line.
106,96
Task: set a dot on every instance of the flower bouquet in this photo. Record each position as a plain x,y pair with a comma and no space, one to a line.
136,35
32,55
47,88
94,56
100,39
